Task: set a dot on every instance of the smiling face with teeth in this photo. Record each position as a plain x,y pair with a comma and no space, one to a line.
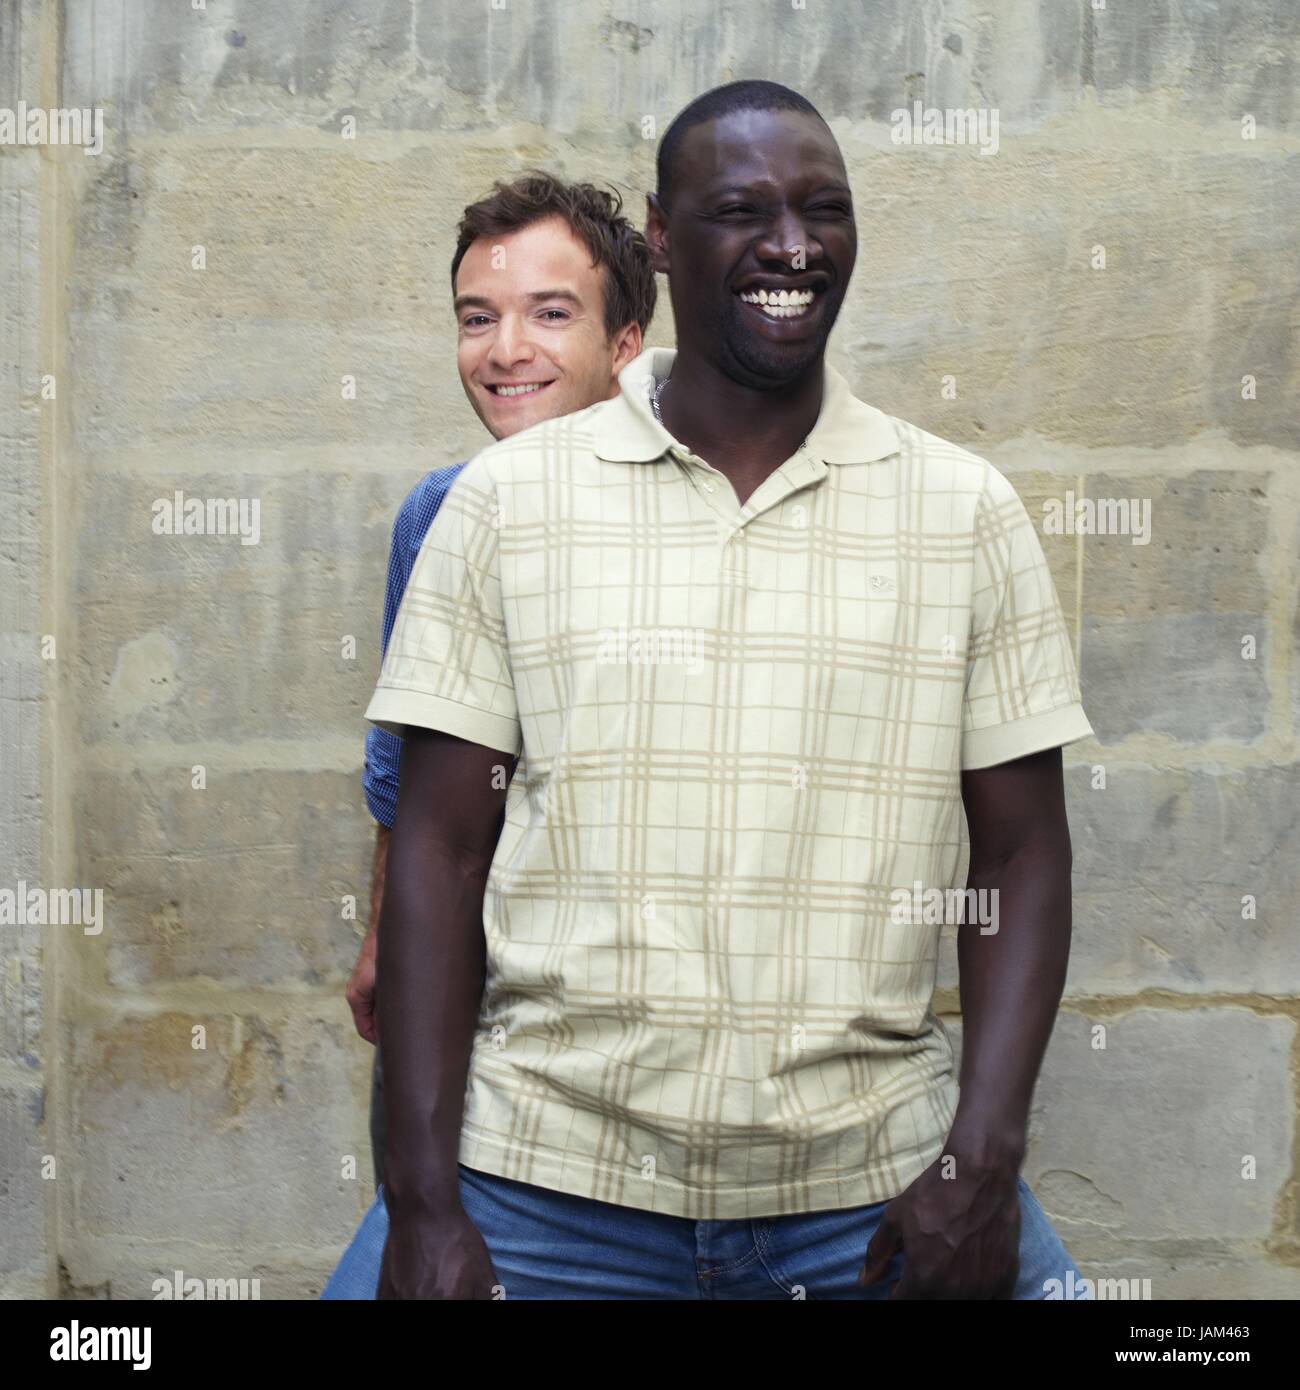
779,303
531,341
759,243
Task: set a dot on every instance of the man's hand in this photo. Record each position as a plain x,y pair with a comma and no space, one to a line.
960,1236
361,983
361,989
439,1256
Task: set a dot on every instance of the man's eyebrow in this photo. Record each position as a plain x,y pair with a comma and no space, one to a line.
478,301
748,189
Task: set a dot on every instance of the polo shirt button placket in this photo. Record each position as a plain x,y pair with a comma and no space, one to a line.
733,557
694,467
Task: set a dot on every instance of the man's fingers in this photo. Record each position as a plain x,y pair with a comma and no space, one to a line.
363,1015
362,1005
880,1250
360,994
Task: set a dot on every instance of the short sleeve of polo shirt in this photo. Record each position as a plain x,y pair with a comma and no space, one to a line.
447,666
1022,687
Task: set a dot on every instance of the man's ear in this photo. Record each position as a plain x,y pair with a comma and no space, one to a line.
656,232
627,345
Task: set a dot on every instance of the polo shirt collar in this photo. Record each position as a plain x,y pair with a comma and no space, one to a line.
847,429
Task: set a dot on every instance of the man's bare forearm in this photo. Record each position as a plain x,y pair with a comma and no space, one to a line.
1012,979
1011,986
431,964
378,871
432,960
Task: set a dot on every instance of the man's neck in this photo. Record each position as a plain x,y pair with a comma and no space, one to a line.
742,431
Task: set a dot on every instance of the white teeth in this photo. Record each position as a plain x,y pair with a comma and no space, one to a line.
782,304
519,390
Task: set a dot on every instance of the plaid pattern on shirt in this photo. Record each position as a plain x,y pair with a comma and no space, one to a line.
741,732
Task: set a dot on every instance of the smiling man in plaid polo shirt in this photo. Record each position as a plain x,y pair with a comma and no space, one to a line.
731,649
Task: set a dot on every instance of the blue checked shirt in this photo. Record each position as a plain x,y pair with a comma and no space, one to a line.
384,750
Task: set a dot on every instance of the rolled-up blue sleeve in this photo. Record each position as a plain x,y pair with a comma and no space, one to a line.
414,517
383,759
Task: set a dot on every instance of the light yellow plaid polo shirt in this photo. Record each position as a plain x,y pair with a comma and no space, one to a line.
741,733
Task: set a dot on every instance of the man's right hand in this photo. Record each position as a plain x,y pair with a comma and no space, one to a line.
361,989
436,1257
361,983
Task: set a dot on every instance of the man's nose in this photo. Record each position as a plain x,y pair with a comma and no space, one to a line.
791,240
511,343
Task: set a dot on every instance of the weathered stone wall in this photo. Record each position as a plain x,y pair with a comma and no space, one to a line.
1157,137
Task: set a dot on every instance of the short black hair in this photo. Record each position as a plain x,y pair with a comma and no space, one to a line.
751,95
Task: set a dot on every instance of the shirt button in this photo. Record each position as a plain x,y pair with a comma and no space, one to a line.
708,487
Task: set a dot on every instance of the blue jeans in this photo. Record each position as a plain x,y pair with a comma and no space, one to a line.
547,1244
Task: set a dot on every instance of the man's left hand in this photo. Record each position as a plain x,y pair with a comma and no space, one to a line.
959,1236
